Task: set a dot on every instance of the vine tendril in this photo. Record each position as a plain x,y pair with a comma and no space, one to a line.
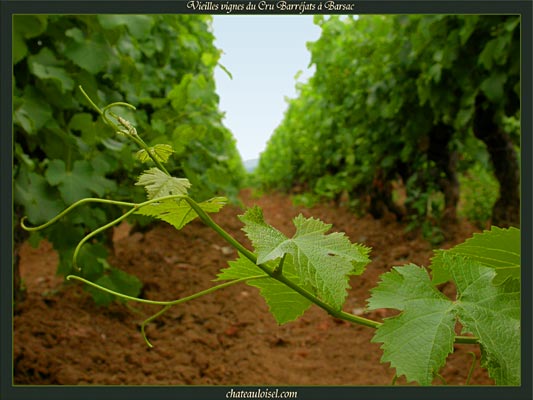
167,304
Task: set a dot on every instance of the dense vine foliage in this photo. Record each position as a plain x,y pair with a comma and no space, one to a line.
416,101
162,63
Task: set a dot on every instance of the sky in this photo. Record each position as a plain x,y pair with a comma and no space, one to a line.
263,53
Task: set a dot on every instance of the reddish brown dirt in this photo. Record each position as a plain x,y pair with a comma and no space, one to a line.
225,338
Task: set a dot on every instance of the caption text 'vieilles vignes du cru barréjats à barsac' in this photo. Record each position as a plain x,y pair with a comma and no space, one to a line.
263,5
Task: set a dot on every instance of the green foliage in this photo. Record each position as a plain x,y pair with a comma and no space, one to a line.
162,63
284,303
498,249
492,313
82,181
424,331
323,262
479,192
179,213
404,110
158,184
161,152
36,196
114,279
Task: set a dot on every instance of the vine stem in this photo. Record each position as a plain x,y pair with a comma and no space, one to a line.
167,304
69,209
134,207
281,278
472,367
96,232
273,274
279,269
103,112
90,100
145,147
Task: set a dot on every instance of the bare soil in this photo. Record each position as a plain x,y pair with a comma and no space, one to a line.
226,338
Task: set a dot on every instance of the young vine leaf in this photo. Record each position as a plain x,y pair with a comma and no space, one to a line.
498,248
284,303
179,213
161,152
322,261
82,181
417,341
158,184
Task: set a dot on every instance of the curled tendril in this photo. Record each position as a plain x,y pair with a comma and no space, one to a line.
106,112
69,209
130,130
26,227
125,128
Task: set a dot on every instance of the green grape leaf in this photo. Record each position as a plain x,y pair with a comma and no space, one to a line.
30,26
284,303
138,25
321,261
239,269
492,313
417,341
45,65
91,260
494,50
160,151
91,131
78,183
76,34
91,55
19,48
498,248
33,113
493,86
118,281
40,200
26,27
158,184
177,212
267,240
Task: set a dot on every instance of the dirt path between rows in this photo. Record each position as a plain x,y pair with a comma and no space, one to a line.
226,338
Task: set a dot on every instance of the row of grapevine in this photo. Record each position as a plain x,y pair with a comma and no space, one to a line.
163,64
416,100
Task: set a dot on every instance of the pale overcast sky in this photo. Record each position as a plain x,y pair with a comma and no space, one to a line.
263,53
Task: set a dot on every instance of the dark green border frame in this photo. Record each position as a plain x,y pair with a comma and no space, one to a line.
10,392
